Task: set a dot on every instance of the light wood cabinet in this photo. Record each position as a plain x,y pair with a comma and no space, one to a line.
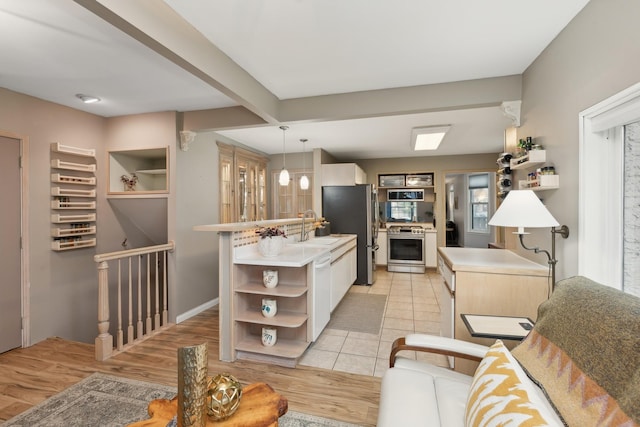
243,187
294,299
73,195
487,281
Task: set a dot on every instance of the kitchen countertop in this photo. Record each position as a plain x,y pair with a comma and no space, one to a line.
498,261
293,254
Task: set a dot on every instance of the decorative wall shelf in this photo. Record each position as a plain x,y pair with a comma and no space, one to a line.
68,179
72,192
72,166
544,182
149,165
56,147
532,159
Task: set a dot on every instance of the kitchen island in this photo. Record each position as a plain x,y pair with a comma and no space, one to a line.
495,282
303,294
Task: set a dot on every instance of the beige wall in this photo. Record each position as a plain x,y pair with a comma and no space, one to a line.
63,284
596,56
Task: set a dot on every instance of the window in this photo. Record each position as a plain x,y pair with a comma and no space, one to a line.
609,200
479,202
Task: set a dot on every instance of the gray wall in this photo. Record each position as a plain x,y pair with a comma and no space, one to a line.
596,56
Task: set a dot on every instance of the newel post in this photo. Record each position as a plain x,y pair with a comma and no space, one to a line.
104,341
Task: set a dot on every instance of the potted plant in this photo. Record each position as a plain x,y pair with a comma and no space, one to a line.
271,241
129,182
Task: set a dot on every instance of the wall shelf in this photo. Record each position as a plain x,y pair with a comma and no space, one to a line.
544,182
68,232
56,147
72,192
149,165
76,180
532,159
63,219
72,166
65,245
72,229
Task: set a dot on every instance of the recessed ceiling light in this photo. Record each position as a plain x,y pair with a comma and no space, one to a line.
428,137
87,99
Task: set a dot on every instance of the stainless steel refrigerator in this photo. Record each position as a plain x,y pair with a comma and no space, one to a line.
353,209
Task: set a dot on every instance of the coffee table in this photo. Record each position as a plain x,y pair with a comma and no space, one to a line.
260,406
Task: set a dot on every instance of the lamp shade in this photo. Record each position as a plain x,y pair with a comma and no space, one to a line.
522,208
284,177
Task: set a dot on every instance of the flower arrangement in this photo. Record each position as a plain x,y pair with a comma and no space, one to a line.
270,232
129,181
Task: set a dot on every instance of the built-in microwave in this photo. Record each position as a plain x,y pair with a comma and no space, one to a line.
405,195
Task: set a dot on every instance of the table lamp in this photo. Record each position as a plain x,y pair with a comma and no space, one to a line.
523,209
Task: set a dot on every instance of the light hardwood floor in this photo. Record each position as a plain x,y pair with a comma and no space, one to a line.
31,375
339,377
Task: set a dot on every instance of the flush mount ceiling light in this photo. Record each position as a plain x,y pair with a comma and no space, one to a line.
87,99
428,137
284,173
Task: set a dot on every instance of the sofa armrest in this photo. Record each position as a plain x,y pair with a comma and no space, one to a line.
438,345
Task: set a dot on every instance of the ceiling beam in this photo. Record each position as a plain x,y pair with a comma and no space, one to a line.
157,26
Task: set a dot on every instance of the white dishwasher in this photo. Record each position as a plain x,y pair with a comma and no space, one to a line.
321,295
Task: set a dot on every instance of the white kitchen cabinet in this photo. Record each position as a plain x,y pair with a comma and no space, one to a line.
381,253
430,250
343,174
344,270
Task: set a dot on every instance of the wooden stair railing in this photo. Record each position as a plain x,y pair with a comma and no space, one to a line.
155,287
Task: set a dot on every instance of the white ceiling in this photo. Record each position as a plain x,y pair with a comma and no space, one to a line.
293,49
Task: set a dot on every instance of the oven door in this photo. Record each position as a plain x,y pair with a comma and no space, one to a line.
405,252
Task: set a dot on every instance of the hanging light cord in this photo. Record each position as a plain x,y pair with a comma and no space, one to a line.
284,129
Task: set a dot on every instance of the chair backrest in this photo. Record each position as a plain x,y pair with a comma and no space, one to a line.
584,351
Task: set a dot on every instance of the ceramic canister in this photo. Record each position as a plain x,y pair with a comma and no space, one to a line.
270,278
269,307
269,336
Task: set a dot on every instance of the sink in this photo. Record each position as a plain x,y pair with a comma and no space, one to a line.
319,241
324,240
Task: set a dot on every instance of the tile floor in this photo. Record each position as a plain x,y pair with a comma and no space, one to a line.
412,306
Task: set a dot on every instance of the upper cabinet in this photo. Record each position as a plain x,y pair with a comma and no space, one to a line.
419,180
343,174
243,186
137,172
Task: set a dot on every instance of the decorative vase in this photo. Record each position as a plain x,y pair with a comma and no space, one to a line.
269,336
270,246
192,386
223,397
270,278
269,307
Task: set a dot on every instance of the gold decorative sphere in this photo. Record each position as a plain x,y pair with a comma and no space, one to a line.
223,396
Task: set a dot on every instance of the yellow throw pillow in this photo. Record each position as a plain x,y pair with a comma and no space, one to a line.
502,395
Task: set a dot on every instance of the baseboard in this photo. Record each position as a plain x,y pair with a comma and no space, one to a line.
197,310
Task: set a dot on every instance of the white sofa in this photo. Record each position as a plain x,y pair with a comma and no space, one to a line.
582,354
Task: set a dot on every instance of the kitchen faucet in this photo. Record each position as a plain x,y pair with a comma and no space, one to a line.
304,235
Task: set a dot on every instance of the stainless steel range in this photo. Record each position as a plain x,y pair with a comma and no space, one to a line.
405,249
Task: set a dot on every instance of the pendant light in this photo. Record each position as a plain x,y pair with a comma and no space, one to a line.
284,173
304,181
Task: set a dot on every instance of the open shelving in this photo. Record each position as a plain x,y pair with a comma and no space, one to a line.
72,192
291,321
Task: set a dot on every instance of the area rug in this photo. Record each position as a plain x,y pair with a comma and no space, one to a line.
106,401
359,313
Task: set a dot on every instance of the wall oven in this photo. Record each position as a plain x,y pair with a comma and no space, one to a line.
405,249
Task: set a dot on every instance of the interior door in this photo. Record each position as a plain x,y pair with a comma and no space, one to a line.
10,231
